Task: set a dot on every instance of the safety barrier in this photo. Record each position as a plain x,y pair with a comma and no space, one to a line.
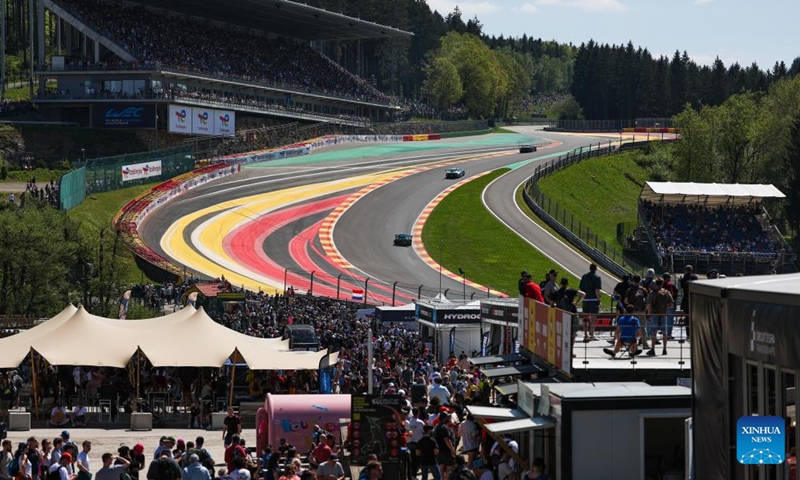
603,254
422,137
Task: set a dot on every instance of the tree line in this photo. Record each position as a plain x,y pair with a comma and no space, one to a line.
48,261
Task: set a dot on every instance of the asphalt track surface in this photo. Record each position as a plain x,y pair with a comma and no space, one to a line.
336,214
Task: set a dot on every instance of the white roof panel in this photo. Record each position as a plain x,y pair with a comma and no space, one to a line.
521,425
708,193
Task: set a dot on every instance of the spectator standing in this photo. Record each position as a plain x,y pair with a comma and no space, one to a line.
63,467
470,434
164,468
461,472
5,460
523,279
658,302
532,290
482,471
233,426
591,285
438,390
195,470
331,469
83,463
671,310
550,286
637,296
427,453
109,471
446,443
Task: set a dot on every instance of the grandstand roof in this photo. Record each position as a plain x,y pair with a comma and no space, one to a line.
708,193
281,17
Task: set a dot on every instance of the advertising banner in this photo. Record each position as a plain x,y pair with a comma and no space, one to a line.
180,119
460,315
377,427
141,170
124,115
224,123
547,333
203,121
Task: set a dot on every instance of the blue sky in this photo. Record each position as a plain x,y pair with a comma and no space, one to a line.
735,30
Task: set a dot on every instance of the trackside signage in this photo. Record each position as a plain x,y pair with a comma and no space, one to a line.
124,116
458,316
761,440
141,170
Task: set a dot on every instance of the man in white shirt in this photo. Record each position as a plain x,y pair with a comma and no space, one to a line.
83,463
416,430
331,470
80,416
439,391
63,467
470,434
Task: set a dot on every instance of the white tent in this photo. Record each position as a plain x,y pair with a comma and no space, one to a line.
187,338
708,193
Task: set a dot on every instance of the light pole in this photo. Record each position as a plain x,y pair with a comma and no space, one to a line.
285,272
83,156
394,289
366,288
463,281
338,284
311,288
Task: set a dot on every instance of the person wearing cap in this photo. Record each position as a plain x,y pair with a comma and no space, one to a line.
164,468
523,279
482,471
195,470
110,470
137,461
331,469
63,467
550,286
65,438
532,290
164,444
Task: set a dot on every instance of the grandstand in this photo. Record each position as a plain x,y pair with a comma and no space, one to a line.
714,227
259,59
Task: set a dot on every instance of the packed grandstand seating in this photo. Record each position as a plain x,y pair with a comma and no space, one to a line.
700,229
175,42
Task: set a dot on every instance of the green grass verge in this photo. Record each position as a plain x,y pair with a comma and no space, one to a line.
599,192
98,210
461,233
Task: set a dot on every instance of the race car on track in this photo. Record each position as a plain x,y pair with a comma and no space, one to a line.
402,240
527,148
454,173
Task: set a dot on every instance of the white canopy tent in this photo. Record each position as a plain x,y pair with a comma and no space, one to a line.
187,338
710,194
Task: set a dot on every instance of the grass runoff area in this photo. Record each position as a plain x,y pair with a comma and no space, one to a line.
97,211
461,233
599,192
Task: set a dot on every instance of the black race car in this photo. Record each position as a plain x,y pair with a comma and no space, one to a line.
454,173
402,240
527,148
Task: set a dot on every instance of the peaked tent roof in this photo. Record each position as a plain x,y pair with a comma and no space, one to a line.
16,347
708,193
186,338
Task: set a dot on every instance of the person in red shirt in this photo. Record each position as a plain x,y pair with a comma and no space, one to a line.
235,449
532,290
321,452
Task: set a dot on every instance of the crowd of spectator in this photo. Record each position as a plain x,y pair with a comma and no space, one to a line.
166,41
539,105
697,228
48,193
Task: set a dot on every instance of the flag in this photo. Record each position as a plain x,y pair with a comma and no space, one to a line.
358,295
453,339
123,305
485,343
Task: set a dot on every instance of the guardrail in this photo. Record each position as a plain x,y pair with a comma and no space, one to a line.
558,218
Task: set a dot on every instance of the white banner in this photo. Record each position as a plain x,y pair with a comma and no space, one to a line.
225,123
203,121
141,170
180,119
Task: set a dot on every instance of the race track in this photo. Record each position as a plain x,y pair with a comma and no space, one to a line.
335,214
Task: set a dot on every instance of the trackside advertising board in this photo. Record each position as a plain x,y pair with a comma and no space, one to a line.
138,171
547,333
201,121
124,115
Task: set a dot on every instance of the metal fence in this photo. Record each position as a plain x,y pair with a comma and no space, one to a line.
107,173
609,256
72,189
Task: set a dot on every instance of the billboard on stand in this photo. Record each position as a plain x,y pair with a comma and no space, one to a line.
224,123
203,121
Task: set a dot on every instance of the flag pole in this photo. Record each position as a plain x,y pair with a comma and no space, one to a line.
35,389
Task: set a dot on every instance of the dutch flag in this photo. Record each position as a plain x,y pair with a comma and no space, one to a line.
358,295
